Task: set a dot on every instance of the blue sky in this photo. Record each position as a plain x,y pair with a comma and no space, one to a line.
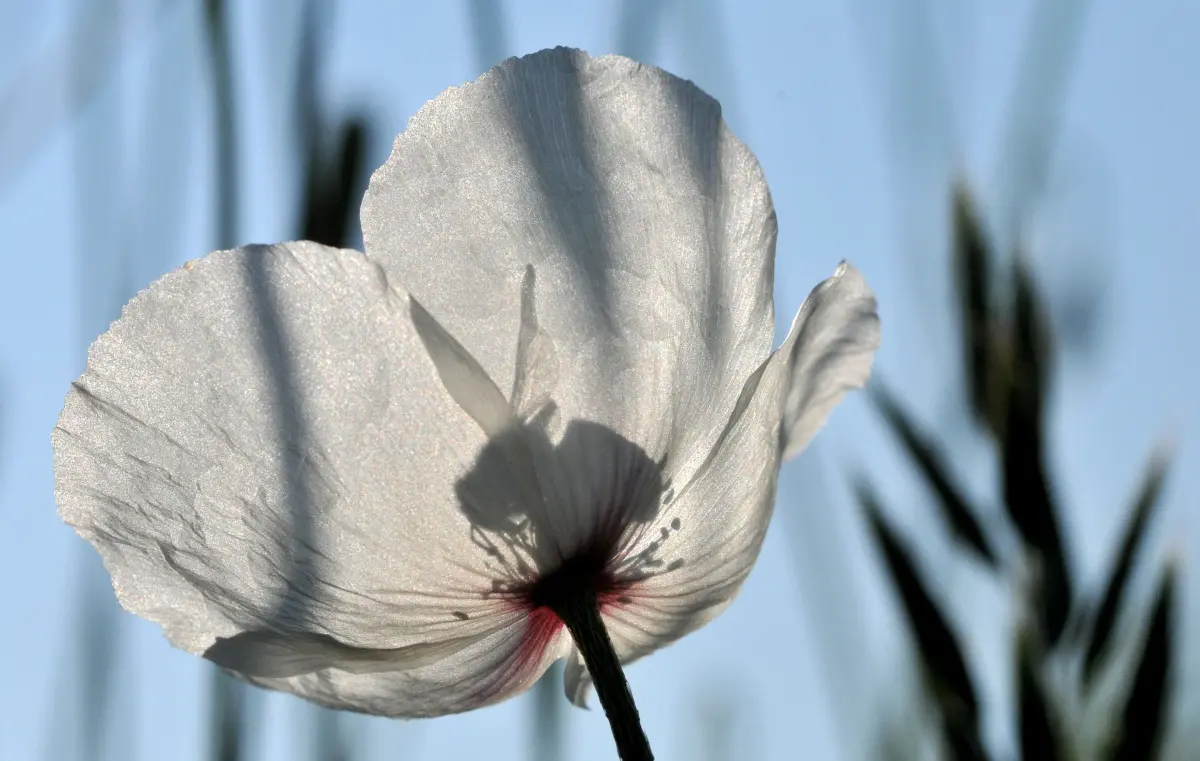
858,114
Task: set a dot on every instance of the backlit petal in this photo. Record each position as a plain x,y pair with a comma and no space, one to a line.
648,225
577,683
269,655
693,557
494,668
696,553
262,447
830,349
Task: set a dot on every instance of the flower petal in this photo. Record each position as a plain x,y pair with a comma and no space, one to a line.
262,444
270,655
693,557
649,225
830,349
577,683
487,671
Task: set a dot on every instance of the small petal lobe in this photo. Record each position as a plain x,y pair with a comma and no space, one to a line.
829,350
576,680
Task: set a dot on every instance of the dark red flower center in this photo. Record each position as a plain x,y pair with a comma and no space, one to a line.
584,576
580,574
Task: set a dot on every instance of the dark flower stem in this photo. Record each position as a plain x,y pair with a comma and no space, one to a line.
581,614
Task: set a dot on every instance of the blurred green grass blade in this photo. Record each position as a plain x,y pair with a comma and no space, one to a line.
330,742
1144,716
548,702
1032,353
718,715
972,262
5,406
334,178
958,515
94,707
489,38
938,646
963,742
100,633
1038,727
333,187
88,57
831,603
1026,484
705,52
639,23
314,20
227,729
905,55
1131,540
162,180
227,696
227,198
1038,103
101,256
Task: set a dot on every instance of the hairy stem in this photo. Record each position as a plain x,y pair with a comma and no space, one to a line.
581,614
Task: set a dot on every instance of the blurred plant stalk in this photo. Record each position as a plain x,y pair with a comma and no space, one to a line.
228,697
335,177
546,736
93,715
1063,627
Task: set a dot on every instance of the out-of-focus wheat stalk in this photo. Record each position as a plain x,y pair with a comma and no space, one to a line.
1063,626
1009,346
228,698
90,690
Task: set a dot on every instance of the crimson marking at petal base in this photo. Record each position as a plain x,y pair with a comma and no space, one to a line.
578,575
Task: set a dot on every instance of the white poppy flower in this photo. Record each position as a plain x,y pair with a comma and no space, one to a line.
382,481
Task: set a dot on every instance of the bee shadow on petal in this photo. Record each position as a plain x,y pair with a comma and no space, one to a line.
536,505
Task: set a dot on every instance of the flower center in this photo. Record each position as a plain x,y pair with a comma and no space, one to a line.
584,574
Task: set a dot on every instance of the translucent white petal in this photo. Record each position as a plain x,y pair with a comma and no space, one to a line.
262,446
576,680
492,669
649,227
830,350
699,548
693,557
277,656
